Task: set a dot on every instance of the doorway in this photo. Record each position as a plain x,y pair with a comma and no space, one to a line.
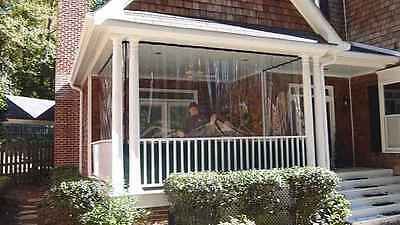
296,115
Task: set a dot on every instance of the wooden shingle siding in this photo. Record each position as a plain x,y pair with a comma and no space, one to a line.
278,14
374,22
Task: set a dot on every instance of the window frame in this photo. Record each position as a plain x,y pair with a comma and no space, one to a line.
166,103
383,80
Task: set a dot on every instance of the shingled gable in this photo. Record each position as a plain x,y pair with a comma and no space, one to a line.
279,16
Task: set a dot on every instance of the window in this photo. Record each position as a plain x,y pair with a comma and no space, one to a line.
392,116
162,111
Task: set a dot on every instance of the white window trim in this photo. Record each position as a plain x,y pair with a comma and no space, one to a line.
165,103
386,78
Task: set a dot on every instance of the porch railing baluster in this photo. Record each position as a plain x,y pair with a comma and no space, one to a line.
202,155
152,163
212,154
235,162
247,154
253,157
160,164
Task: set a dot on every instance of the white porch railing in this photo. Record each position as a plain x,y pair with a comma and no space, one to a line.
161,157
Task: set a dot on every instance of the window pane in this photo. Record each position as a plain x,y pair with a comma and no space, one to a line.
392,99
393,128
151,121
176,115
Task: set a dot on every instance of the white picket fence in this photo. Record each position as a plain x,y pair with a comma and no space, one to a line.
161,157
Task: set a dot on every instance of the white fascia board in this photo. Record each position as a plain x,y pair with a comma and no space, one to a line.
198,36
86,35
200,24
214,36
366,60
313,15
389,76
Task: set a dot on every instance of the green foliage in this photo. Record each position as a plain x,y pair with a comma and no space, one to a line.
238,221
313,188
88,202
334,209
64,174
96,4
308,195
80,196
27,43
115,211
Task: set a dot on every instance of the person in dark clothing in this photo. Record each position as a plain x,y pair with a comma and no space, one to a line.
195,120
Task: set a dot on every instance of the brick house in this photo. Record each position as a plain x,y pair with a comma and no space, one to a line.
268,84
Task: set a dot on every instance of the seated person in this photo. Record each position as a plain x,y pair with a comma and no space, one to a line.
195,121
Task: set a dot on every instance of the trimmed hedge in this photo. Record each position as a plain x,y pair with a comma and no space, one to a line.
303,196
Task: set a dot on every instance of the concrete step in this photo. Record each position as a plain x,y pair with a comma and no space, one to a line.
374,212
379,220
383,190
362,203
361,174
370,182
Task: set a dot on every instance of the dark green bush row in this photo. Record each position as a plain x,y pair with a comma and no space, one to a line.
88,201
298,195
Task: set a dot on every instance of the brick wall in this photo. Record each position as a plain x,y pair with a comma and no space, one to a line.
343,138
366,154
375,22
336,16
279,14
66,142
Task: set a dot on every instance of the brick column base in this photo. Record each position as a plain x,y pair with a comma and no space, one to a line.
159,216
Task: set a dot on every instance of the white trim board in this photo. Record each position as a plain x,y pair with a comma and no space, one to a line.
386,77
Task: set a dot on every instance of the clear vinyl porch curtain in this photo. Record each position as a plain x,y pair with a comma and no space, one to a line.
202,92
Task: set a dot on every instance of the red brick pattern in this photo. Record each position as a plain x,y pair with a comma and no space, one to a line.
376,22
279,14
336,16
66,141
159,215
365,155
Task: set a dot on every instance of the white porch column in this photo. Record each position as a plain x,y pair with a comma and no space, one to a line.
89,125
134,118
321,120
308,111
117,171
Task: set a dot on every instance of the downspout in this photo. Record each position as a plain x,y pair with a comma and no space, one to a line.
77,88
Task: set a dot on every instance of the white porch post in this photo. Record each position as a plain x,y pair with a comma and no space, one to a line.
89,125
321,120
308,111
117,171
134,118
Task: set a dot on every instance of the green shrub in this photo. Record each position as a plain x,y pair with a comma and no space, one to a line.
94,5
88,201
115,211
238,221
302,195
79,196
64,174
